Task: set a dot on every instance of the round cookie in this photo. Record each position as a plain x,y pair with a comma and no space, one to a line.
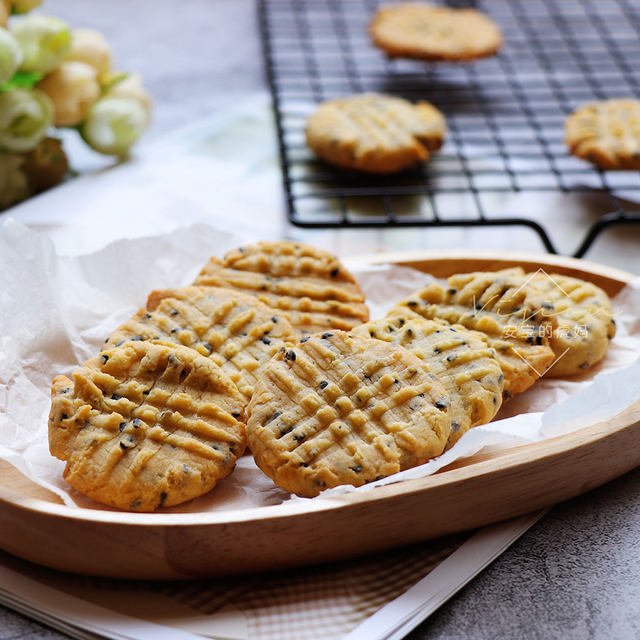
307,285
146,425
581,322
238,332
502,306
461,360
606,133
375,133
429,32
340,409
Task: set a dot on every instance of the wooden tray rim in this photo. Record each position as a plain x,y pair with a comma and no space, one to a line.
512,458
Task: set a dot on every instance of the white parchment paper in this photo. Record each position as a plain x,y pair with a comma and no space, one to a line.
56,311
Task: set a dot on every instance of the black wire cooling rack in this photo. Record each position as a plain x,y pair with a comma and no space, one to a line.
505,114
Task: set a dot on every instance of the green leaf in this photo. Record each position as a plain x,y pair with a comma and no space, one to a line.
22,80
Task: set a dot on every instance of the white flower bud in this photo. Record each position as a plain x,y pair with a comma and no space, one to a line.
10,55
24,119
73,88
24,6
44,41
14,185
131,87
114,124
90,46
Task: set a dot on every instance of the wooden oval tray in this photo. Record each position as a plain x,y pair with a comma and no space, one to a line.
469,494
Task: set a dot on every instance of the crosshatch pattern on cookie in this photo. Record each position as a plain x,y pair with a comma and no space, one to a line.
340,409
146,425
310,286
502,306
606,133
375,132
237,331
460,358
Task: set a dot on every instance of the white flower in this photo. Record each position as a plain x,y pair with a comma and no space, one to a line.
14,185
131,87
24,119
90,46
44,41
10,55
114,124
73,88
24,6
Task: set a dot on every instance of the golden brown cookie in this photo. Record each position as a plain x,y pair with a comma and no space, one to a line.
375,133
580,321
429,32
340,409
146,425
501,305
460,359
606,133
308,285
238,332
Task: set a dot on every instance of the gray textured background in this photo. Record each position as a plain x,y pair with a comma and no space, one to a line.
574,575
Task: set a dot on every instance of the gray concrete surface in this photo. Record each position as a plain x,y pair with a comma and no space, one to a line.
576,574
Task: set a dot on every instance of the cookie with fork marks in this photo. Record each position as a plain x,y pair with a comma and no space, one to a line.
341,409
375,133
235,330
146,425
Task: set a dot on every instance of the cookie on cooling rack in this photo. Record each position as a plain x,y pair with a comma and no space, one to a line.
146,425
238,332
429,32
307,285
606,133
504,307
460,358
375,133
340,409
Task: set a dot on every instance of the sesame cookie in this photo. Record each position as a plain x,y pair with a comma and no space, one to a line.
146,425
461,359
501,305
375,133
307,285
429,32
238,332
580,321
340,409
606,133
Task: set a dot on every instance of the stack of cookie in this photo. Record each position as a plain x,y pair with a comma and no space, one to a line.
272,347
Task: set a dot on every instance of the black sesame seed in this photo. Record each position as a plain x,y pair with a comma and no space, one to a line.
120,343
175,330
304,464
334,272
174,312
163,497
122,426
538,340
412,303
452,291
146,392
105,358
290,355
401,322
583,365
235,414
451,358
304,339
421,395
136,423
357,468
265,340
455,426
136,339
441,403
274,319
148,316
299,437
436,350
63,416
372,333
323,384
327,335
277,414
115,396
